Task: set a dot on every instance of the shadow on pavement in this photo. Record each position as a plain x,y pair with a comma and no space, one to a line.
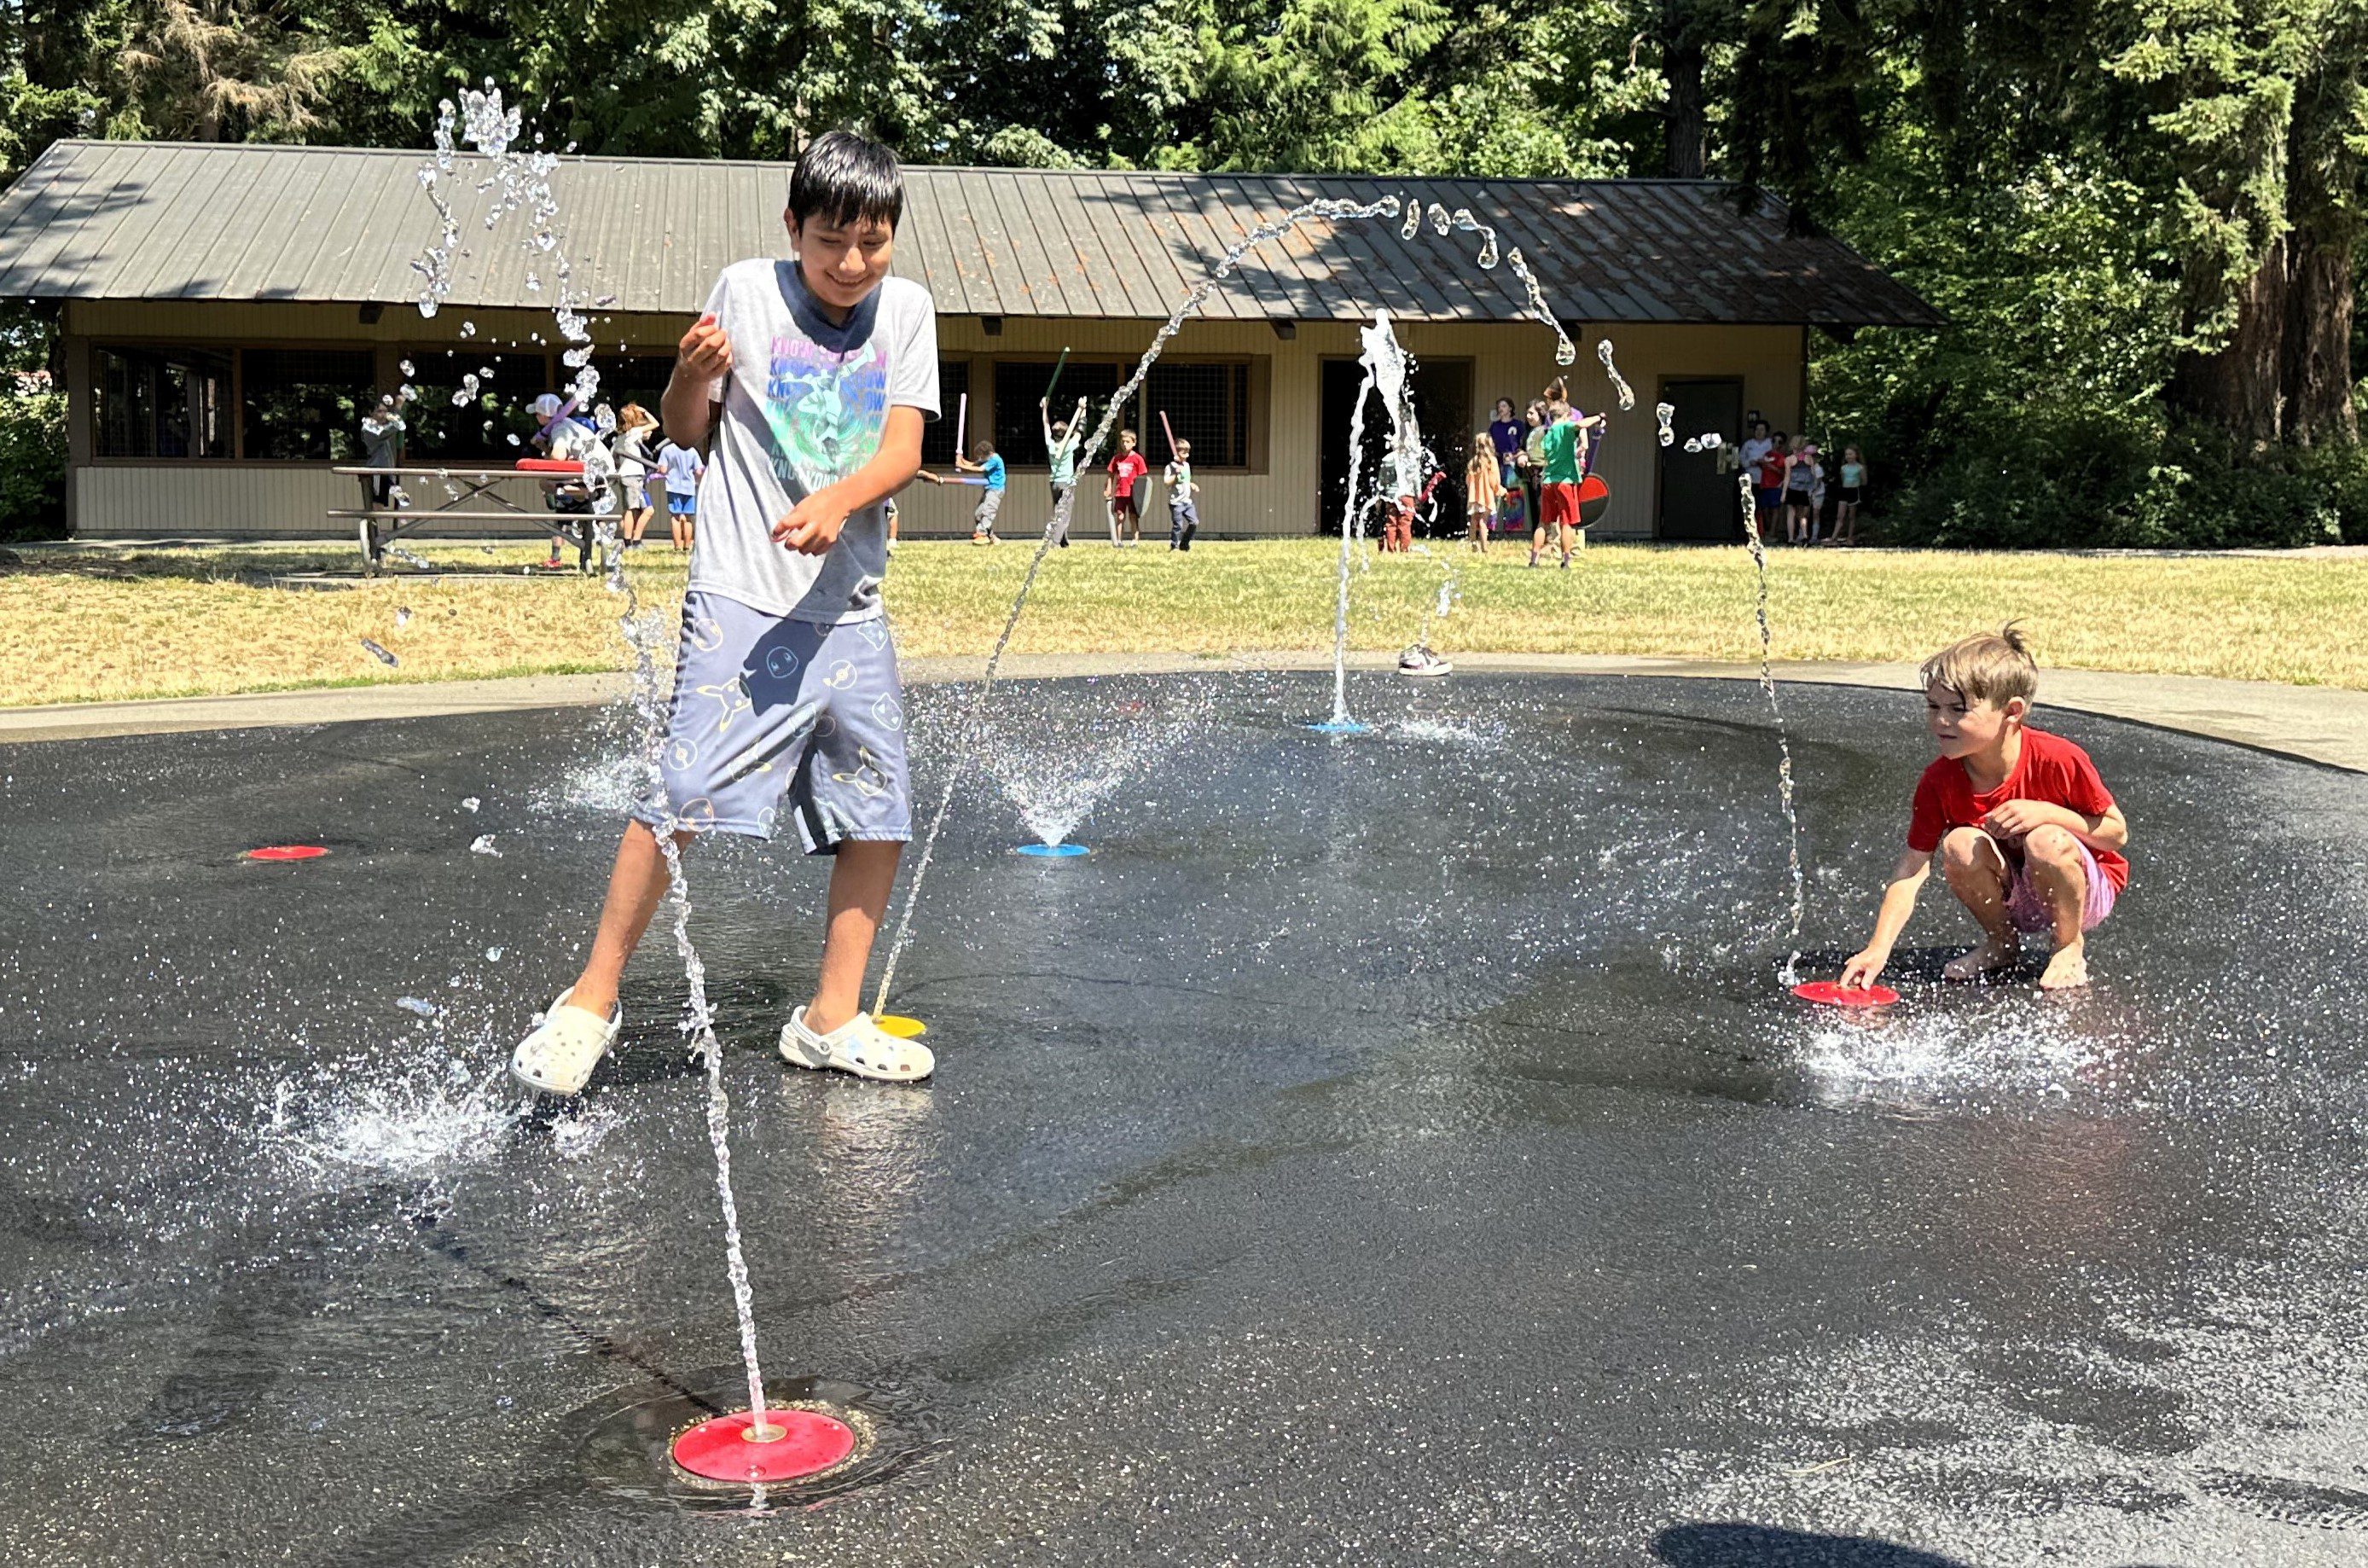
1764,1546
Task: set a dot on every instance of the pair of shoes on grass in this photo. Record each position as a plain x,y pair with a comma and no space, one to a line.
568,1043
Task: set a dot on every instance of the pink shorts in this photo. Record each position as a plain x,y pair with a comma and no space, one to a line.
2027,907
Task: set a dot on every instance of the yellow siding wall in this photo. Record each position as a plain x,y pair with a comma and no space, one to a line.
288,499
1510,359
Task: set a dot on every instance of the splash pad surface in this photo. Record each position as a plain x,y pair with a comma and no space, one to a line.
2066,1279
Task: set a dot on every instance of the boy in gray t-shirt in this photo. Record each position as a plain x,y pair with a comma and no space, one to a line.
814,378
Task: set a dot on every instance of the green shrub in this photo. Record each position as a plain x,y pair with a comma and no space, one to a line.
32,465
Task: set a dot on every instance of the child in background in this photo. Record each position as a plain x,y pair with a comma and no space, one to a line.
1800,485
1183,509
987,462
1061,438
634,424
682,468
1561,472
1505,433
562,438
1126,470
1531,462
383,447
1768,483
1853,489
1484,486
2026,834
813,378
888,509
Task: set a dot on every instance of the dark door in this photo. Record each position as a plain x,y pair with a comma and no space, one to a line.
1698,501
1442,407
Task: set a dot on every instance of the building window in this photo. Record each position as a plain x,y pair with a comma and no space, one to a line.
168,402
938,435
1020,386
306,403
476,432
626,377
1209,405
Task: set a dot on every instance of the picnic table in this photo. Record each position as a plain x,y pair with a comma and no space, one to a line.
376,526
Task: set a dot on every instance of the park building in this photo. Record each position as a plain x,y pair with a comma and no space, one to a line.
227,314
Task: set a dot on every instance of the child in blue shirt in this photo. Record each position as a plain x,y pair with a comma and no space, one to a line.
985,462
682,469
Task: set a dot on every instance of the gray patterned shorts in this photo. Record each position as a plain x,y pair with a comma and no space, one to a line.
765,707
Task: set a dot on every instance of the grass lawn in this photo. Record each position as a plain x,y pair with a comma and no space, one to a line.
92,624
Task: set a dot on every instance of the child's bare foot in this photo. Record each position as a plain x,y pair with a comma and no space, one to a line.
2067,968
1975,963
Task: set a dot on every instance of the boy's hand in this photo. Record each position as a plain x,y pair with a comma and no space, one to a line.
2018,818
705,352
813,525
1863,968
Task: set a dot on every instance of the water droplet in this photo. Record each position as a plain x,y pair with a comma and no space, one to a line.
483,844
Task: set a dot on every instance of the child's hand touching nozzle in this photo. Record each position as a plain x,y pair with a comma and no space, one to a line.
1863,969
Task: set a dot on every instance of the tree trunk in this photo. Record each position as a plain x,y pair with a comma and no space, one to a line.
1682,62
2317,356
2241,388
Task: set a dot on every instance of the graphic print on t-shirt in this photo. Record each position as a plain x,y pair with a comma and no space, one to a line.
826,411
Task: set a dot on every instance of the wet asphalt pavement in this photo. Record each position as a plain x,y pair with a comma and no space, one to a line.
1390,1149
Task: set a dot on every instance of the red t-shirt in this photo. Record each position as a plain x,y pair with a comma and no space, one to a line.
1124,470
2050,768
1771,472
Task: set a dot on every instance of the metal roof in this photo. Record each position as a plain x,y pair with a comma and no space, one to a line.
94,219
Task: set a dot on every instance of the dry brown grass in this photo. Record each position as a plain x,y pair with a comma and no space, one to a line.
88,625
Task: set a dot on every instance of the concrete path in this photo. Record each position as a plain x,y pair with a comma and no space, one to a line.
2323,724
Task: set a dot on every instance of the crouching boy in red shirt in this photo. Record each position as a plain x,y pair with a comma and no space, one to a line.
2024,831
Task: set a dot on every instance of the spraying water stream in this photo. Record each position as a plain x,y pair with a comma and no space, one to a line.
524,179
1783,742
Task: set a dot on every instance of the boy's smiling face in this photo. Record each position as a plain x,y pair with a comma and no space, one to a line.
842,262
1962,729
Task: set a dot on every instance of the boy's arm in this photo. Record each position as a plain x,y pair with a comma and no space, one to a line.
1907,876
964,465
2015,819
814,524
689,405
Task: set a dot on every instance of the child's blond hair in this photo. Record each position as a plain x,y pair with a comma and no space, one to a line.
1990,666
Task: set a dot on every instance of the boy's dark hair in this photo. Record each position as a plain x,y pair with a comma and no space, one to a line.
980,448
845,179
1782,438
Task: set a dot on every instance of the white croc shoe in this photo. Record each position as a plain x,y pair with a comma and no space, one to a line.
859,1046
566,1044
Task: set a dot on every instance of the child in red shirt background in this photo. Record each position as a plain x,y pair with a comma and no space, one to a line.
2025,832
1126,472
